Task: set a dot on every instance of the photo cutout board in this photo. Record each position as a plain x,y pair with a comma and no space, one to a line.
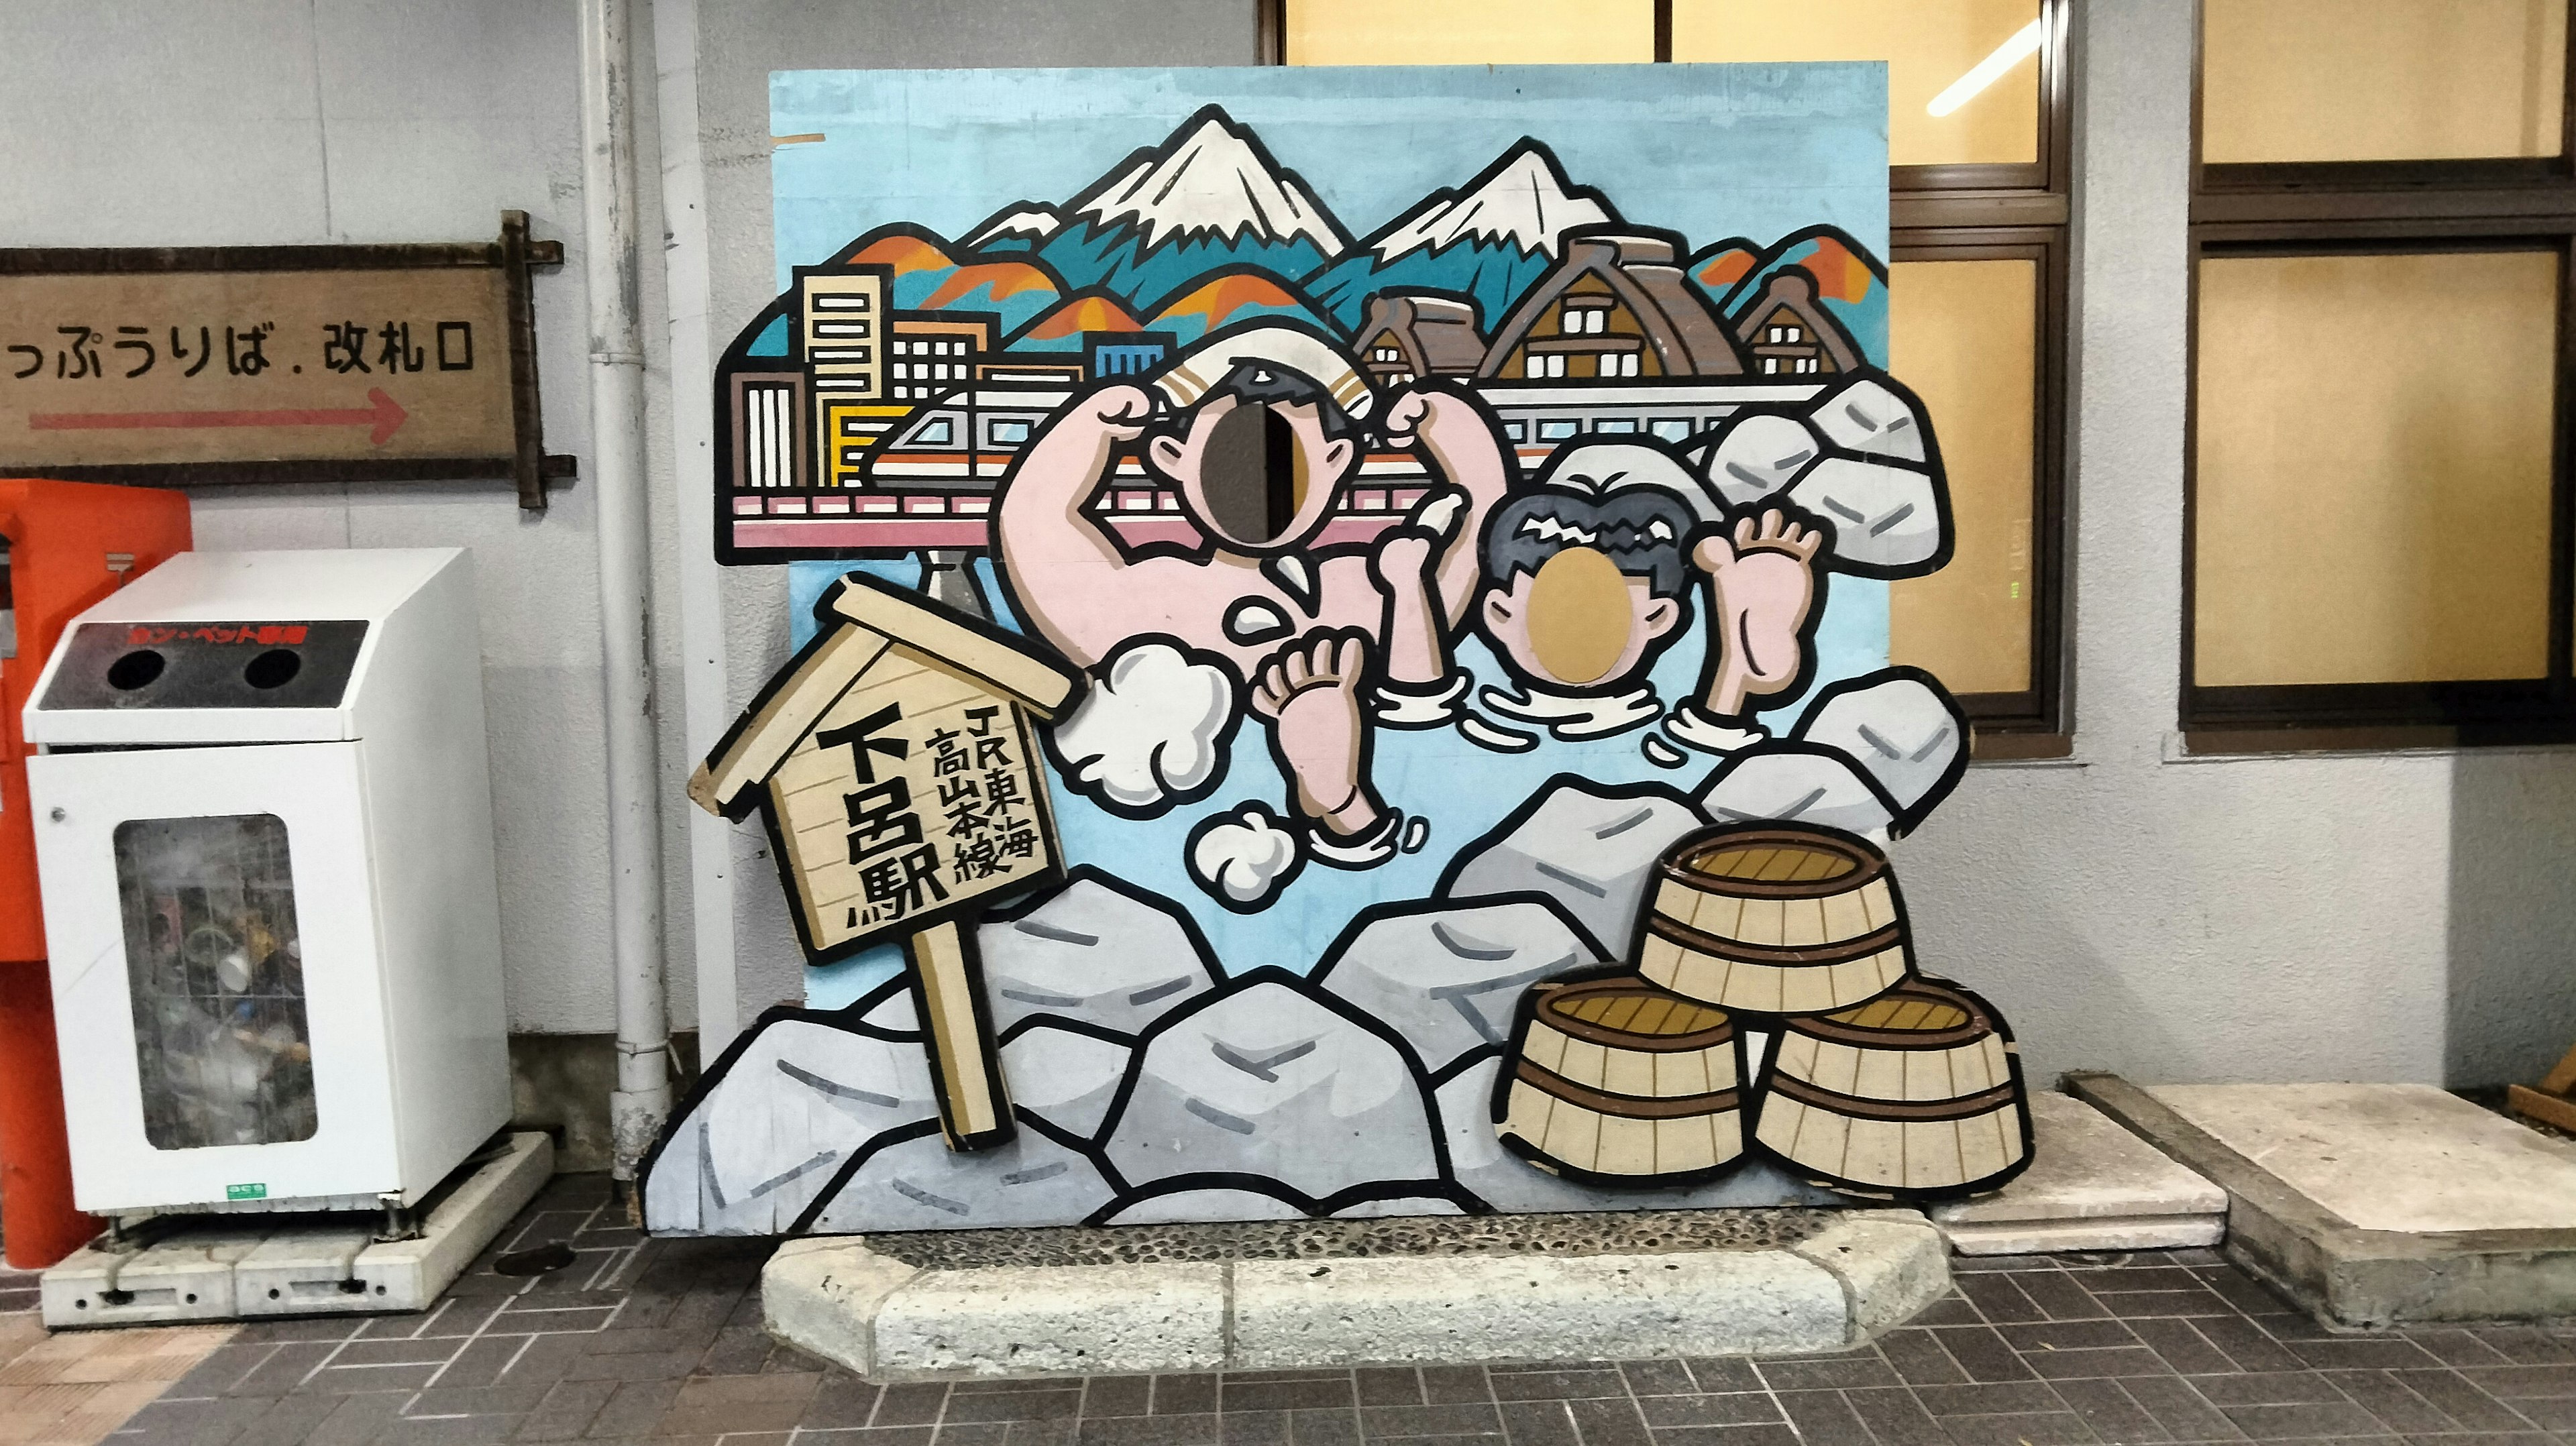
1440,519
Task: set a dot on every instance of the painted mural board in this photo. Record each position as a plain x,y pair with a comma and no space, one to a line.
1463,499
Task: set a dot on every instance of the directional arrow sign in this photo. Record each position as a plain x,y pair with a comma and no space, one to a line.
383,416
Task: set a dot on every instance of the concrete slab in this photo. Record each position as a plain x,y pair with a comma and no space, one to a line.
891,1320
2373,1204
2092,1185
2391,1157
232,1267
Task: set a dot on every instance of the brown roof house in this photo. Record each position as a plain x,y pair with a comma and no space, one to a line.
1617,305
1411,335
1790,334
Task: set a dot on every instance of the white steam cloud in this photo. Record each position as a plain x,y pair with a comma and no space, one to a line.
1152,728
1244,857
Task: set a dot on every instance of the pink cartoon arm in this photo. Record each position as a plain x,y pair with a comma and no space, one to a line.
1052,549
1452,433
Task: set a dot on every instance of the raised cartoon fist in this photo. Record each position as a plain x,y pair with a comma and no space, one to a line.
1120,410
1406,415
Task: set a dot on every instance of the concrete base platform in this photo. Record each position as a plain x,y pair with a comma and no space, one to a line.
894,1321
210,1268
2374,1204
2092,1185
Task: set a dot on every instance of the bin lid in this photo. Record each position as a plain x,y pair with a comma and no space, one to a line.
229,647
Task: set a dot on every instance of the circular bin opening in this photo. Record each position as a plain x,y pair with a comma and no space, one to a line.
273,669
135,670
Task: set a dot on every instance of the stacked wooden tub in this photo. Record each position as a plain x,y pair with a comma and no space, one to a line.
1781,954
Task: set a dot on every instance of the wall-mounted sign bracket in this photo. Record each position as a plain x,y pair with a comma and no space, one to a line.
212,365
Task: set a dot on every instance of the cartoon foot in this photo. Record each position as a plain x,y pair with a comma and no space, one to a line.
1762,586
1310,692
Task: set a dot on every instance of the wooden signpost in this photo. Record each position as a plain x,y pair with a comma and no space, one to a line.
895,765
220,364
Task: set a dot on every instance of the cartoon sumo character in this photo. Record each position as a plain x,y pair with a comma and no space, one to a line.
1587,580
1257,431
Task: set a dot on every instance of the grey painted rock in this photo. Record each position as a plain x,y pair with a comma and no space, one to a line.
1065,1078
1270,1082
1448,977
1194,1205
1094,954
1594,854
921,1184
1884,516
895,1014
1867,417
1795,783
1758,456
799,1100
1902,733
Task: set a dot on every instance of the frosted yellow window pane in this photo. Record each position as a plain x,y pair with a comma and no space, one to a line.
2380,80
1961,334
2373,468
1469,32
1928,46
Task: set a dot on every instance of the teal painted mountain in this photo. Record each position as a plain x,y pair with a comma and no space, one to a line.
1488,240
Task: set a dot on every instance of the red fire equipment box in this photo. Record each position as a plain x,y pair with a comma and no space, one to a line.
63,546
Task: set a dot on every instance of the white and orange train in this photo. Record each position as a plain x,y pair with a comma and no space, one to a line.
928,481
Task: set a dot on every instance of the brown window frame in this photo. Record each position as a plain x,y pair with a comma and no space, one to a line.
2326,208
1964,212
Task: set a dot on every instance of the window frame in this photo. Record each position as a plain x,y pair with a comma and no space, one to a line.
1979,211
2326,208
2032,711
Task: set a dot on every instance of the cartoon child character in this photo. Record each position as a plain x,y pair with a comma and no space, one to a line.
1258,431
1586,581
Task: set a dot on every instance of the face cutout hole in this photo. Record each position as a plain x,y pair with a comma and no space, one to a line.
1579,616
1253,474
136,669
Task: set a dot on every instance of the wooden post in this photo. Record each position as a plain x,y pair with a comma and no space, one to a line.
957,1025
2551,1104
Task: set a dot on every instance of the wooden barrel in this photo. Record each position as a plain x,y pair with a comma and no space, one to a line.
1618,1079
1917,1092
1773,919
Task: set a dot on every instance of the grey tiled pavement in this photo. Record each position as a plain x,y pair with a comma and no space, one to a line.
660,1341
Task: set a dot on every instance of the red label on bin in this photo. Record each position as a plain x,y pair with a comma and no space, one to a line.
265,635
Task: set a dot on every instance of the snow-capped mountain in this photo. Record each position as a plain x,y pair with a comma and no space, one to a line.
1521,200
1211,181
1210,196
1488,240
1020,228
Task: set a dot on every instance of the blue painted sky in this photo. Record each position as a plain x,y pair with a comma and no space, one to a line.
1711,151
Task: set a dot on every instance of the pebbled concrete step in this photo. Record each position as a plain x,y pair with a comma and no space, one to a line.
1856,1274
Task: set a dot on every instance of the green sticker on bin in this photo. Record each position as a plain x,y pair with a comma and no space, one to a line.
245,1192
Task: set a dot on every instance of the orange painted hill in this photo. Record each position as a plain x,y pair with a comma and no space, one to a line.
1841,275
1005,279
1724,269
1081,314
902,253
1218,301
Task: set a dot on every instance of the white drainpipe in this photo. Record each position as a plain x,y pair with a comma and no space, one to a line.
643,1096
